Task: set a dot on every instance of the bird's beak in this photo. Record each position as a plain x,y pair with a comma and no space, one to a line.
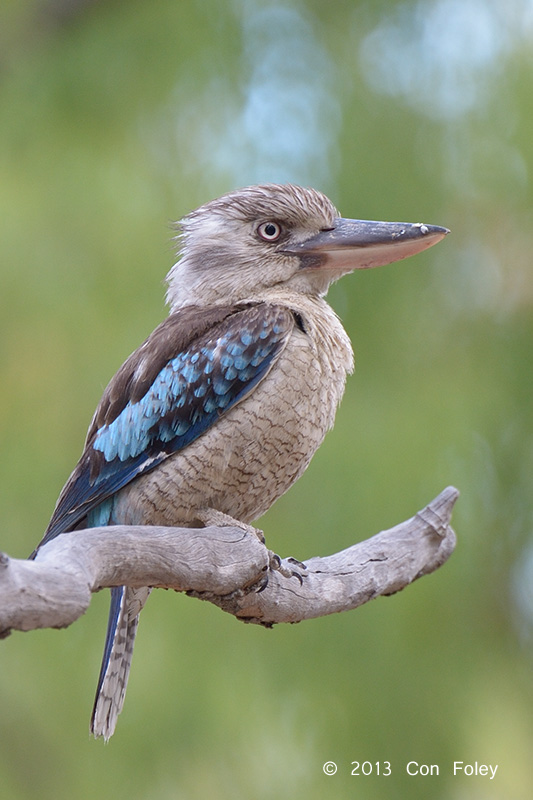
361,244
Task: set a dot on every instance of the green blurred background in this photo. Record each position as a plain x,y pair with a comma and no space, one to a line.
115,119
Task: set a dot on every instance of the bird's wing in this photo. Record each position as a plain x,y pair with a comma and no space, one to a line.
192,369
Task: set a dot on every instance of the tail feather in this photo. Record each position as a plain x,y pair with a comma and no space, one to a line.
126,605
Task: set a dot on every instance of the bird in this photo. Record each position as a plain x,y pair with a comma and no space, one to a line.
221,409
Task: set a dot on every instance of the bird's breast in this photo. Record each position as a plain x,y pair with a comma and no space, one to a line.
255,451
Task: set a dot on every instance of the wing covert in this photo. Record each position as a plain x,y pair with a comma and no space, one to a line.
199,378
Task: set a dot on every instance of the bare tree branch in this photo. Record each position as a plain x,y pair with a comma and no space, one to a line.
230,567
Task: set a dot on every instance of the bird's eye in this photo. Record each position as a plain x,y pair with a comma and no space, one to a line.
269,231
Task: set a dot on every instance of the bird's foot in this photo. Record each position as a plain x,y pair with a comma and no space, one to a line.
288,567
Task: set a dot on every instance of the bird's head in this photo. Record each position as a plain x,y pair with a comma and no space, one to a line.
247,242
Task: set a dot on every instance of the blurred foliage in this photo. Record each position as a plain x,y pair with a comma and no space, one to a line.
118,117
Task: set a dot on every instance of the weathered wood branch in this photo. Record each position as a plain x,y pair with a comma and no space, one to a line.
227,566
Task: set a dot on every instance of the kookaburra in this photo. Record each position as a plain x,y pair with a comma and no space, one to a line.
221,409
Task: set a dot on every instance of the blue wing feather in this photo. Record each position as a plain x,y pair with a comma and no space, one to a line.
189,393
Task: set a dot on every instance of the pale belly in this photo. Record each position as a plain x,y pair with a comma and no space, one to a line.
252,455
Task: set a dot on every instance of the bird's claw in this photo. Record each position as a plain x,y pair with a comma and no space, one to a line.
262,584
288,567
298,564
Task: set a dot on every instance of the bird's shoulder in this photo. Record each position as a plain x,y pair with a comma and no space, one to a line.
182,335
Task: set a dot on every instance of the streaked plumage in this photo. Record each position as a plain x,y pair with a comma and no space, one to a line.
223,406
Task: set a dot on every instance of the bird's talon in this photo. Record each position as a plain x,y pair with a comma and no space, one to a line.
299,576
275,562
297,563
280,565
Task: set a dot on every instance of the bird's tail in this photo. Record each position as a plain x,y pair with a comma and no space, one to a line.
126,605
